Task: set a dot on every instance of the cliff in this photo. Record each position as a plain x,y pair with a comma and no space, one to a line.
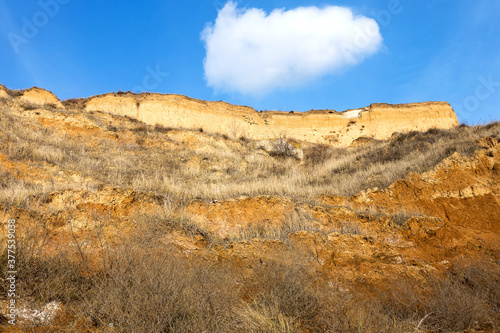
35,96
377,121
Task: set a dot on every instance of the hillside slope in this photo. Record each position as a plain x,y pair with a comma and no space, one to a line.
128,227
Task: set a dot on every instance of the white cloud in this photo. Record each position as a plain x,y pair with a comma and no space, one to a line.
252,52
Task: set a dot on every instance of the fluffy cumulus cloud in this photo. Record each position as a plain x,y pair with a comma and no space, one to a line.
252,52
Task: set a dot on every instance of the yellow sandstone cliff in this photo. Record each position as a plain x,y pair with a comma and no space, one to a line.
35,96
377,121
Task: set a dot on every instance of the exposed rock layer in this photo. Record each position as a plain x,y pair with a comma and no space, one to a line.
377,121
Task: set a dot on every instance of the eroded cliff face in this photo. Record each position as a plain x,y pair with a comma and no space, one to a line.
463,192
378,121
35,96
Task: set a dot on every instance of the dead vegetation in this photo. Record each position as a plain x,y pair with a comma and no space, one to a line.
144,286
139,287
167,160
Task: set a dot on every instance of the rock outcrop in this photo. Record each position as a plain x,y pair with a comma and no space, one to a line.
378,121
3,92
35,96
464,192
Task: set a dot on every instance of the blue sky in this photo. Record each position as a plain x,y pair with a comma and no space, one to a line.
434,50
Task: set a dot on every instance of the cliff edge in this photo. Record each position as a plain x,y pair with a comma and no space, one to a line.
377,121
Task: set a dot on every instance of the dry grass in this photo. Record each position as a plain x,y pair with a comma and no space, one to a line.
161,293
296,220
467,297
159,159
142,288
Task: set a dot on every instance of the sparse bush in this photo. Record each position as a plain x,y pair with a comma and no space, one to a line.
400,218
456,302
158,293
282,148
51,106
286,292
318,154
29,106
162,129
350,228
14,93
140,129
112,128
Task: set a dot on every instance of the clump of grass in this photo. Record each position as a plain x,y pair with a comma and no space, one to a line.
162,129
296,220
282,296
350,228
140,128
317,154
401,217
14,93
15,191
29,106
51,106
464,299
161,293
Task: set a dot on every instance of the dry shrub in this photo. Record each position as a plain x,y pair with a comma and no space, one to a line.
51,106
465,298
161,293
29,106
295,220
44,277
350,228
14,93
317,154
137,289
140,129
52,278
344,311
162,129
401,217
282,147
282,296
